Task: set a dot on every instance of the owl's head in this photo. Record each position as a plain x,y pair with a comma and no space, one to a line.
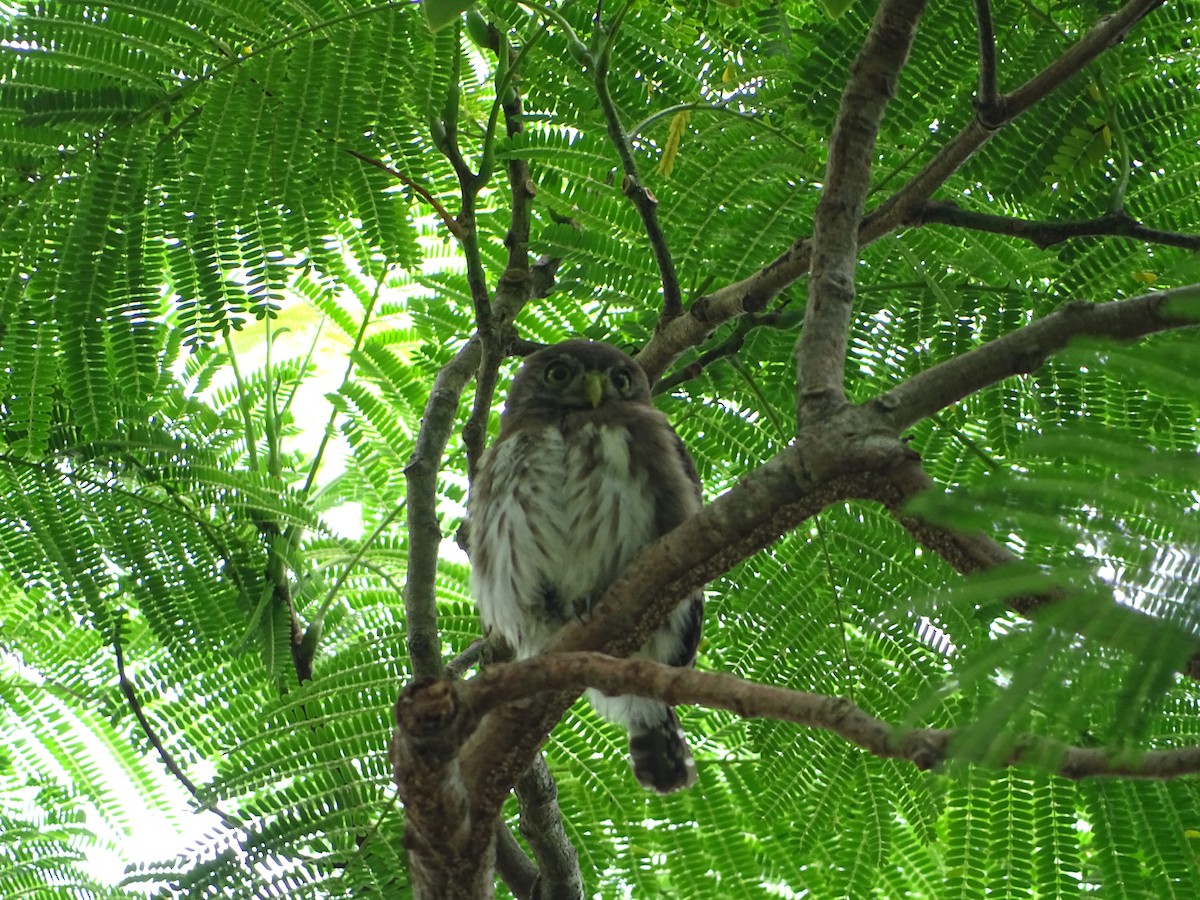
579,375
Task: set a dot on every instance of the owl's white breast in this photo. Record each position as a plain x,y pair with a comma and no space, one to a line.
563,515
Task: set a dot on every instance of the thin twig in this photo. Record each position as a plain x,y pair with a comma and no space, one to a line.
168,761
514,288
631,184
457,666
448,220
728,348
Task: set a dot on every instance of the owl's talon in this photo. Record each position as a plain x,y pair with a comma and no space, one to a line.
583,607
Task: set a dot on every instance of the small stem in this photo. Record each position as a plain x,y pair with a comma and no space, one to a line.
243,405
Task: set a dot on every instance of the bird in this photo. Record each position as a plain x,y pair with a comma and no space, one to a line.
583,472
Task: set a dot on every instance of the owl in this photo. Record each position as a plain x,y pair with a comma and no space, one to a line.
583,473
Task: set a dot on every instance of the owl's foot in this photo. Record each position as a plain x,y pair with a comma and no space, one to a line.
583,607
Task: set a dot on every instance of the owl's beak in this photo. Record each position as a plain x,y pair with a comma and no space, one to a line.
593,387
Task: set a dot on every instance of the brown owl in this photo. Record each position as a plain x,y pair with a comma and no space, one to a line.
583,473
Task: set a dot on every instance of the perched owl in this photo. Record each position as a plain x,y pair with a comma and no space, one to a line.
583,473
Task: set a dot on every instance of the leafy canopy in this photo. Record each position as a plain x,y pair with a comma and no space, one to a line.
232,263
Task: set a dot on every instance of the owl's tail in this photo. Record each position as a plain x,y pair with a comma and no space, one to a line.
660,756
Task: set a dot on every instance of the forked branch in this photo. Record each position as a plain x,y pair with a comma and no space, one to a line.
752,293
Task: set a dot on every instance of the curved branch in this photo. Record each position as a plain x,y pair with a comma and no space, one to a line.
926,748
513,866
448,220
164,755
1026,349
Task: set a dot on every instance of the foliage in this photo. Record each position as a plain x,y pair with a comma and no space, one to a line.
193,235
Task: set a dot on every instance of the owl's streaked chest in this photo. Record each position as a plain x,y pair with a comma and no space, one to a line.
562,514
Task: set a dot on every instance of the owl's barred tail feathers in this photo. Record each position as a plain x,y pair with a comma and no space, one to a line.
660,756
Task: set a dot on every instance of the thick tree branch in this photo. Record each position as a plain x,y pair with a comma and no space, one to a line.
448,859
926,748
966,552
513,866
542,827
1026,349
1047,234
821,350
832,462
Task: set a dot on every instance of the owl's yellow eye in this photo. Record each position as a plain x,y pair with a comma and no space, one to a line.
557,373
622,380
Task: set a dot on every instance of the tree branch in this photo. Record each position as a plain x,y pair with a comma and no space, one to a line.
985,98
513,866
926,748
164,755
488,345
821,350
1047,234
512,290
727,349
632,187
448,220
1026,349
542,827
424,529
901,206
751,294
1119,626
834,461
706,314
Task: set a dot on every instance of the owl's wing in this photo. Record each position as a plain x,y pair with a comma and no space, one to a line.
673,478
